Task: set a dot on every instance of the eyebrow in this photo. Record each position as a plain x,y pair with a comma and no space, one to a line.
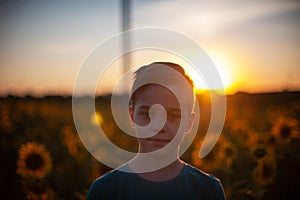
174,110
144,107
168,110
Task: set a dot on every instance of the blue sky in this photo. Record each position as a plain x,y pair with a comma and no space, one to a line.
43,43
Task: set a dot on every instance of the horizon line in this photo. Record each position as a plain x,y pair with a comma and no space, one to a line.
67,95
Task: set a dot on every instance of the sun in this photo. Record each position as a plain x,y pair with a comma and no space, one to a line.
224,73
223,68
221,60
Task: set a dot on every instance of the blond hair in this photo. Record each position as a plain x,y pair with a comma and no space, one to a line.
165,74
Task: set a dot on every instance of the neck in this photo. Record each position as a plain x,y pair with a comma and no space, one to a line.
164,174
153,161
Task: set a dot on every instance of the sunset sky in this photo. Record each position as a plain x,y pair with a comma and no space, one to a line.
254,44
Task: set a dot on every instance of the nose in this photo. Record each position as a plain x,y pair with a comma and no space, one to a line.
158,129
164,129
158,118
161,126
158,125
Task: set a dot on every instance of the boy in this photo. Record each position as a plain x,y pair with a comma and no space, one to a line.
161,110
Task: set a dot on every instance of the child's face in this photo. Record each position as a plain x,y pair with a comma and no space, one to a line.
156,94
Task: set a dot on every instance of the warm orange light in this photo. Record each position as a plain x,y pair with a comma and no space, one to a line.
224,72
226,75
222,63
96,119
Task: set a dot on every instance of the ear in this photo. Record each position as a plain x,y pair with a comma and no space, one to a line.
131,113
190,122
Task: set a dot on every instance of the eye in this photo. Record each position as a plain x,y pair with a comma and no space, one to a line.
174,115
144,113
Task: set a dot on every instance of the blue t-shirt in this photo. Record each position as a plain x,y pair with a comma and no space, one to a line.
190,184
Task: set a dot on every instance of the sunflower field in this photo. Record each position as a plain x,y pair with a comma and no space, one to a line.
257,155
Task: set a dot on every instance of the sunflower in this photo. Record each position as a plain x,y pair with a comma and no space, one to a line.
285,129
210,162
37,189
73,143
5,119
271,141
261,152
240,129
254,139
227,151
265,169
34,161
42,196
264,172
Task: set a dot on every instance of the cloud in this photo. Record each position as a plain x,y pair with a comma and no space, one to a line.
209,17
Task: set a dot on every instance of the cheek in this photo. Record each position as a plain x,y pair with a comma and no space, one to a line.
172,126
141,120
178,126
174,121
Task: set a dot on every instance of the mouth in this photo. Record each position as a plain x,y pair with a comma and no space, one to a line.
159,140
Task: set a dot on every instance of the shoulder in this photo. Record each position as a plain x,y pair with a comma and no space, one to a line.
104,184
207,184
108,178
199,174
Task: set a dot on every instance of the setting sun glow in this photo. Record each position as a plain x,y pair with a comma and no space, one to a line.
223,67
226,75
